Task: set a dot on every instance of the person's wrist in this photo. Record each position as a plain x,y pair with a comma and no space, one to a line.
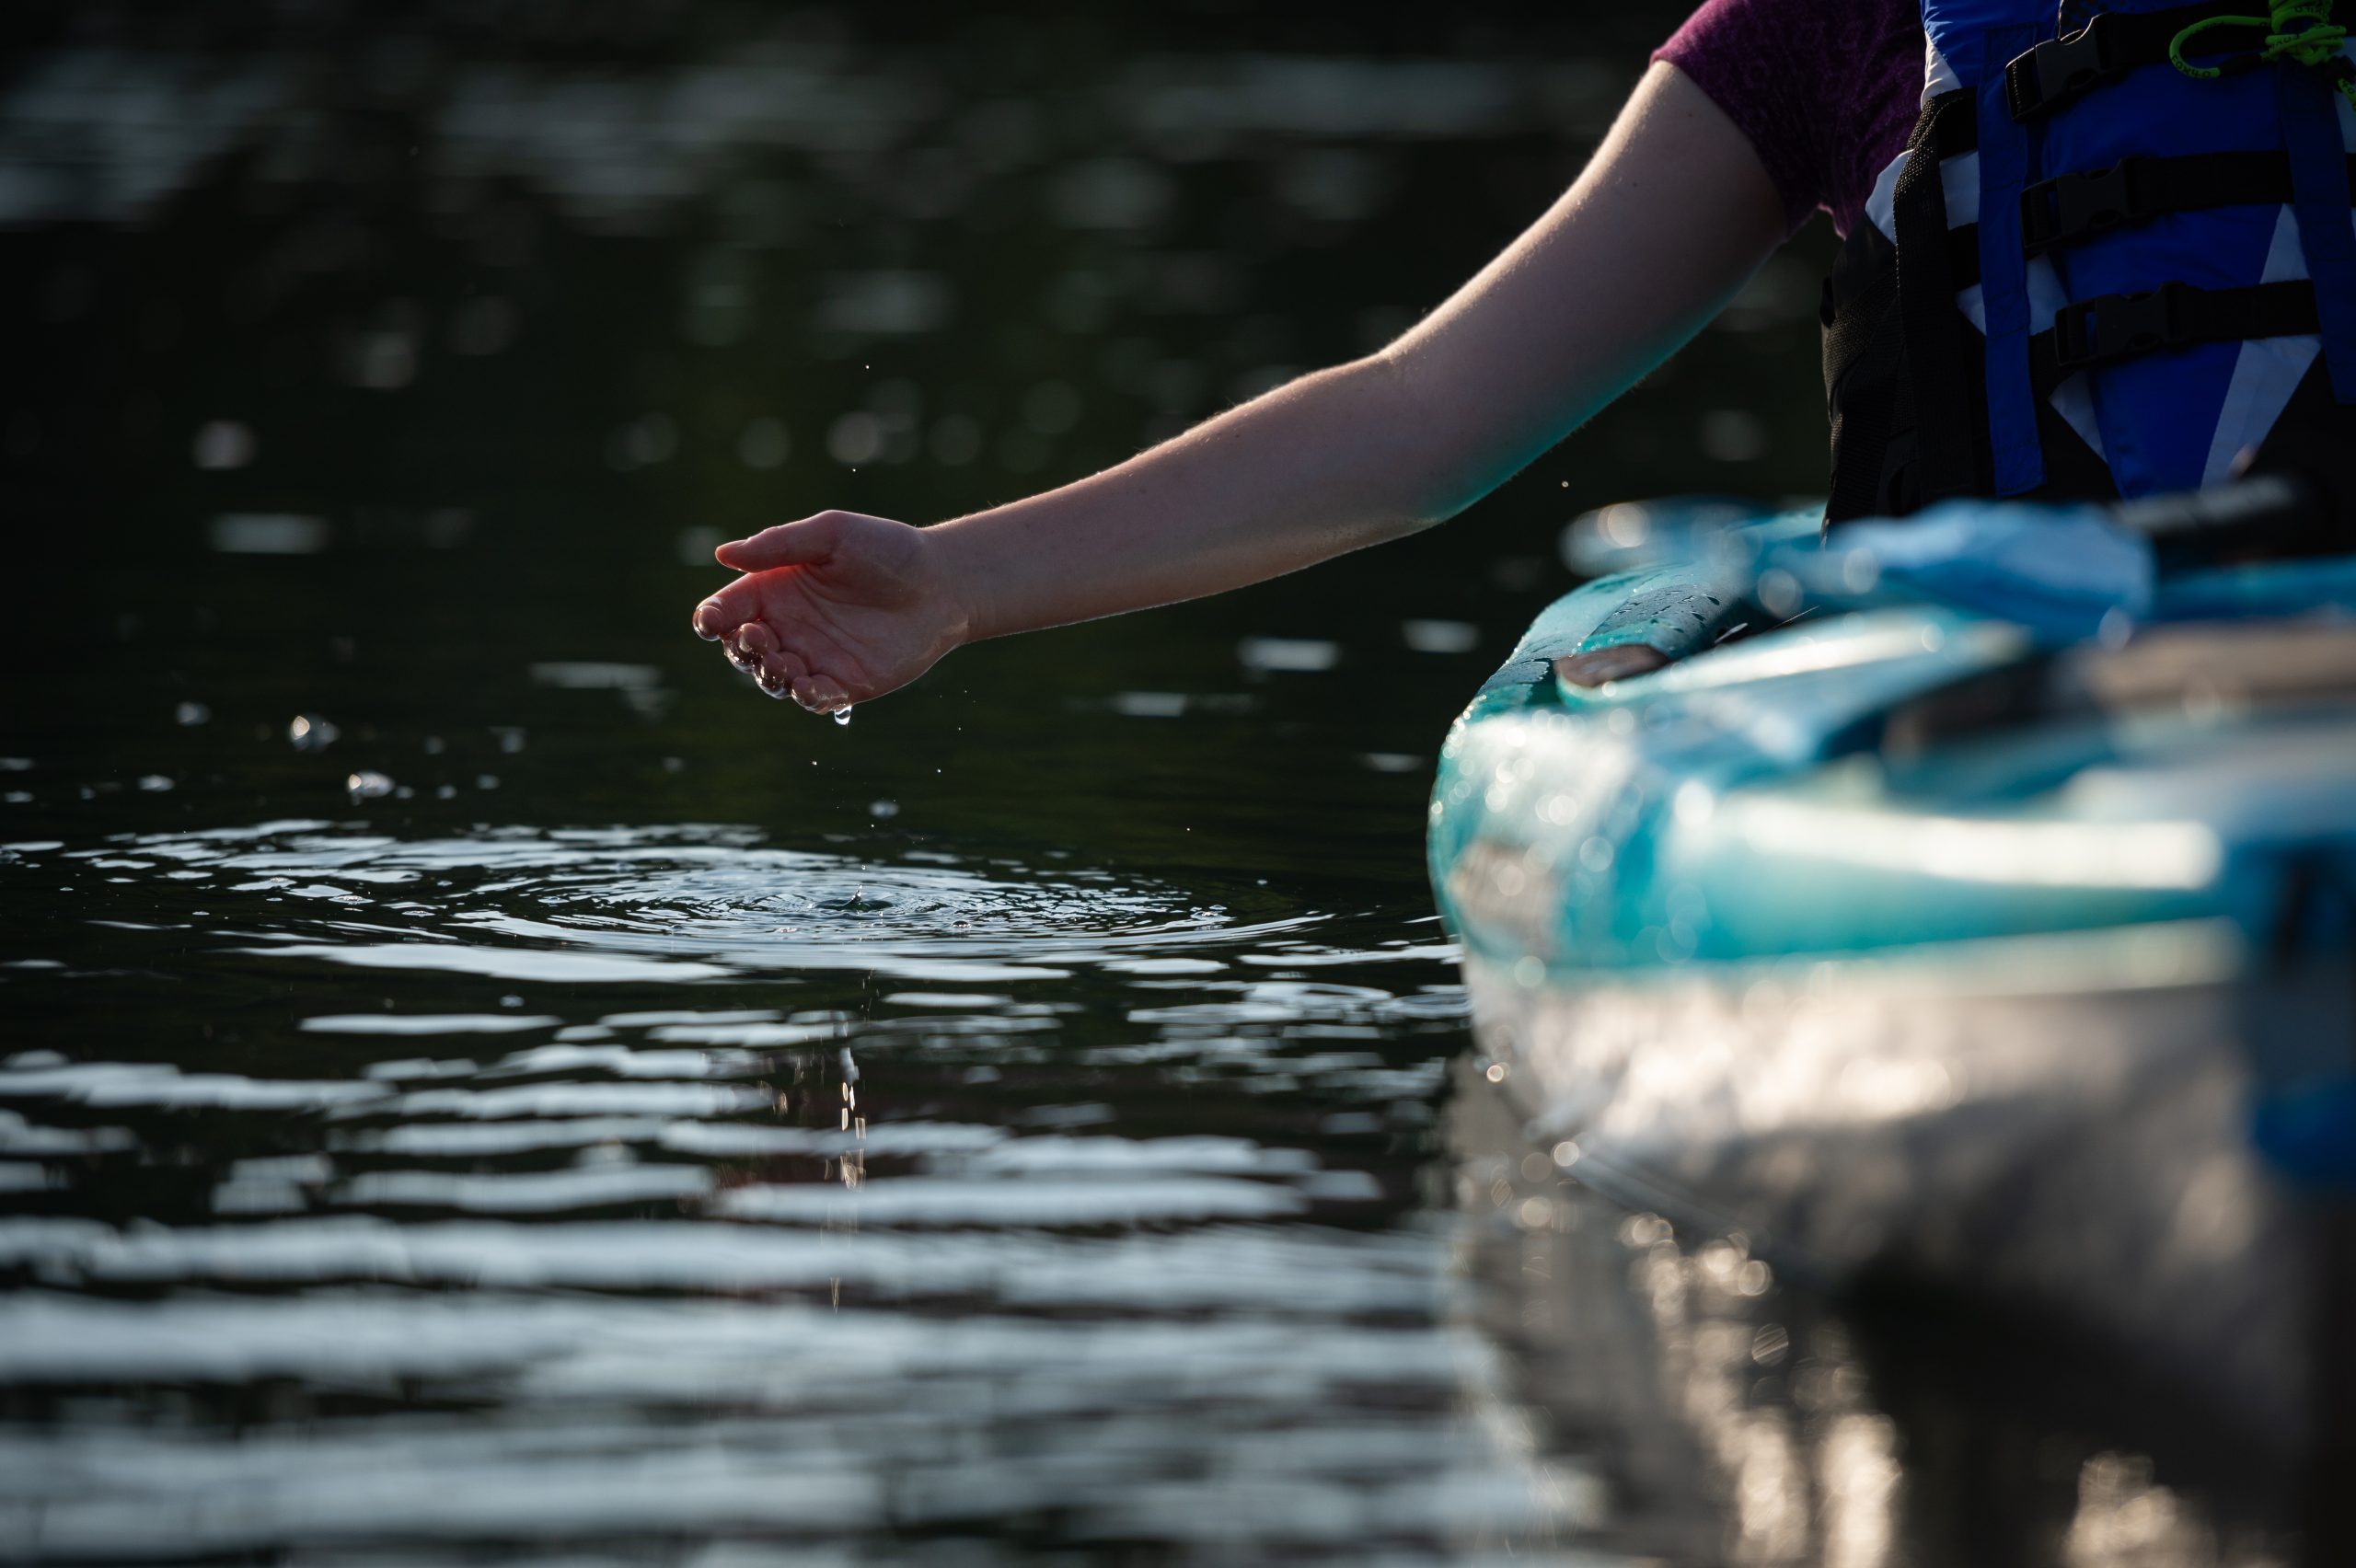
966,581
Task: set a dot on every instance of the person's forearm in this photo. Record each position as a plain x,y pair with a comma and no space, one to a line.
1320,466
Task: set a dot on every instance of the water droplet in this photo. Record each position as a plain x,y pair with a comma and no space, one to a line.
842,714
309,733
368,785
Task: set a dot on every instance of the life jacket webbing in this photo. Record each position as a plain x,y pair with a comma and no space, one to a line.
2319,182
2105,331
2072,207
2015,450
1863,338
2060,70
1931,328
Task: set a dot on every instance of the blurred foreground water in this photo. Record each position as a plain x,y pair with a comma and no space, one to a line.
481,1084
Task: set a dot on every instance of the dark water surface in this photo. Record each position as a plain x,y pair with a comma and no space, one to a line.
481,1085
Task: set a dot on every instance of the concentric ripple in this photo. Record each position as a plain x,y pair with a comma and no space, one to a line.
675,904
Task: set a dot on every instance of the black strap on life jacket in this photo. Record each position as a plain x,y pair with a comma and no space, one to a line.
2070,208
1944,414
2061,70
1867,395
2111,327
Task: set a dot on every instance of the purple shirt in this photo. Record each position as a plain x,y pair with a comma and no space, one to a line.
1827,90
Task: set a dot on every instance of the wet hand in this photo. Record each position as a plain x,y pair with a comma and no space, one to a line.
835,609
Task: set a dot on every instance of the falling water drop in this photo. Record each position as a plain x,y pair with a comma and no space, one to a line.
842,714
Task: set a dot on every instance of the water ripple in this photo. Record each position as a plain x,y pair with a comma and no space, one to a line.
678,904
866,1162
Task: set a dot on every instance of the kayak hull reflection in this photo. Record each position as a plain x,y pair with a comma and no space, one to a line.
2083,1155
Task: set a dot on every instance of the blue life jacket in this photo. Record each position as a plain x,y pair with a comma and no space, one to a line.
2094,273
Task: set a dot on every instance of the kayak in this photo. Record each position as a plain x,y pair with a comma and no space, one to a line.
1970,900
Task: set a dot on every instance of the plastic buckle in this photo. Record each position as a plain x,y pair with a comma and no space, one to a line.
2117,327
2078,206
2046,77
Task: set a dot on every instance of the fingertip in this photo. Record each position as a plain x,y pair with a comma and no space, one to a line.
724,611
745,554
820,694
1602,665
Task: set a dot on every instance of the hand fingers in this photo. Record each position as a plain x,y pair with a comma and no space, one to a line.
726,610
1601,664
730,617
777,672
754,648
738,654
766,658
805,543
820,694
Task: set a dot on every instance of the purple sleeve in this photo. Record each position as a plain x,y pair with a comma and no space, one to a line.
1825,89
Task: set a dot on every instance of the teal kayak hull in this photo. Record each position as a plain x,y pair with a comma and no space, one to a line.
1908,939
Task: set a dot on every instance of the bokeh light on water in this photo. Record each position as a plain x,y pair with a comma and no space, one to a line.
477,1082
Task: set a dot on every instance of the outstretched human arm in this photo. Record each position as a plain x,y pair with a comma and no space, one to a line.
1671,216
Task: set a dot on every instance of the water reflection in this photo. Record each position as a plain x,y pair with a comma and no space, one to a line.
905,1267
1732,1417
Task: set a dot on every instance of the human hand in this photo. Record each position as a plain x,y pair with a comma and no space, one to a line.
836,608
1618,663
